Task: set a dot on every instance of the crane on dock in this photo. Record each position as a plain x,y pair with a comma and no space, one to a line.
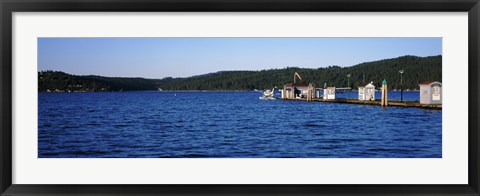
295,75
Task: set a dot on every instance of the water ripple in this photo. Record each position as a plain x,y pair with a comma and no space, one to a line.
210,124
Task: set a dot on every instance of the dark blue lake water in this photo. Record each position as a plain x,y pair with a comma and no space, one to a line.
230,124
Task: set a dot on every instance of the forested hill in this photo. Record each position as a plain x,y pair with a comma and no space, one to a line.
416,70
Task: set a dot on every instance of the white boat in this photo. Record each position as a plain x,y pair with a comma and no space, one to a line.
267,98
268,95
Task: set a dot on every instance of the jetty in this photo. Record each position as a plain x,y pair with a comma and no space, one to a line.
376,102
430,94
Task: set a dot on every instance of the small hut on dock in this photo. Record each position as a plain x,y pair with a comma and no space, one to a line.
329,93
294,91
366,92
430,92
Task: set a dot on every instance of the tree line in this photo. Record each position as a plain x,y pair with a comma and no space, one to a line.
416,70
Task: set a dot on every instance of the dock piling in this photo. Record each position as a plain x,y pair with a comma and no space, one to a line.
384,102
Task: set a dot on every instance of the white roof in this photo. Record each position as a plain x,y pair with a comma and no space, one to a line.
429,83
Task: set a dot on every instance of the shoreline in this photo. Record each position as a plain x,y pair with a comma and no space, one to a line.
164,91
199,91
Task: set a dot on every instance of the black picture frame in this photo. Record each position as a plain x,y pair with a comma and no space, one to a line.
7,7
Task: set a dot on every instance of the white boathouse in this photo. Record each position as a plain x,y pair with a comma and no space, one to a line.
431,92
366,92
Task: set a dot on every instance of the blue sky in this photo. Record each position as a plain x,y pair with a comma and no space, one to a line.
183,57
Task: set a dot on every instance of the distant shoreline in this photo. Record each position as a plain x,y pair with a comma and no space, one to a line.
191,91
164,91
354,77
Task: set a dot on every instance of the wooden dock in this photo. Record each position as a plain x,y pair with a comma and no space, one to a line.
376,102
